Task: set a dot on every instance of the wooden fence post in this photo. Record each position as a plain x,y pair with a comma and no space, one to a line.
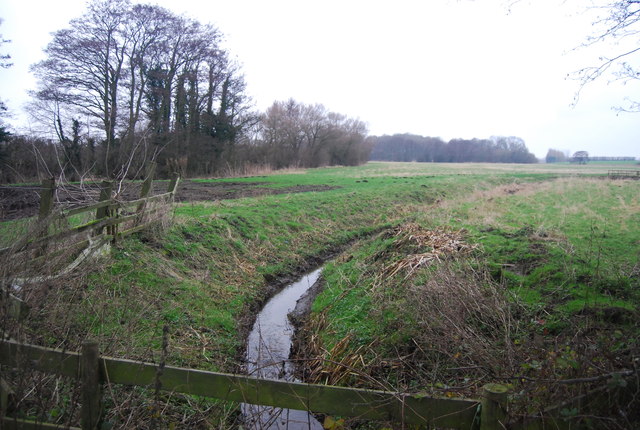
148,181
47,194
5,395
46,197
146,188
90,377
105,194
493,413
16,308
173,184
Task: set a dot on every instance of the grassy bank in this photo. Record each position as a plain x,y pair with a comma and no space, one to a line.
526,284
206,273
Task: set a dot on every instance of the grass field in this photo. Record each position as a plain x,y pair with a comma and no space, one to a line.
451,276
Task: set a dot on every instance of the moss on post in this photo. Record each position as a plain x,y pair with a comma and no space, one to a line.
493,414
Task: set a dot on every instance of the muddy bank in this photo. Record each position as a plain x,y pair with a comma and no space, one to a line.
272,287
300,313
267,356
274,284
24,201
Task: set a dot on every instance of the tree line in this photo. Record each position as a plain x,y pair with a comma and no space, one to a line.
558,156
128,83
410,147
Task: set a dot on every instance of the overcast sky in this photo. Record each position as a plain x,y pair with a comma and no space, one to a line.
442,68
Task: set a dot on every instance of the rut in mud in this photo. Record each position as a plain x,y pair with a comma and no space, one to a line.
23,201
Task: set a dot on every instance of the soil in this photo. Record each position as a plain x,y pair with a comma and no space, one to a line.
23,201
303,306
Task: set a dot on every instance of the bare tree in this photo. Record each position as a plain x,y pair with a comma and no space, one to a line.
84,63
4,63
155,85
296,134
619,21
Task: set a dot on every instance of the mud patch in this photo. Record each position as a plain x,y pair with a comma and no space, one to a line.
303,306
23,201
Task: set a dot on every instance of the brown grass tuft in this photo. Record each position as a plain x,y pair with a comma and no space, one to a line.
430,245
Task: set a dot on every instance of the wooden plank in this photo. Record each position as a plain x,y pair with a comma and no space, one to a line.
146,199
106,203
91,225
340,401
134,229
62,250
63,363
75,211
97,224
11,423
90,376
94,224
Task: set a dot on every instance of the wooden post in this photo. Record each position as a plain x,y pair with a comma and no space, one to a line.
148,181
146,188
47,194
5,395
105,194
493,414
90,377
46,197
17,308
173,184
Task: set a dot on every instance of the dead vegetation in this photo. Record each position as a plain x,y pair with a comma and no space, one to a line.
446,327
431,246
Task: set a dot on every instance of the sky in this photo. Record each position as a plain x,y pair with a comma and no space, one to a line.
441,68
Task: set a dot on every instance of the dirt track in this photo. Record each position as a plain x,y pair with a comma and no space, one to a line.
23,201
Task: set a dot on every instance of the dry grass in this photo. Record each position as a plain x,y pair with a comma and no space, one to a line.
257,170
418,169
465,318
431,246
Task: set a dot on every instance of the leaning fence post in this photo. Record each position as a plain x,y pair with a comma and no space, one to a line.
103,212
90,377
148,181
146,188
47,193
46,197
173,184
5,397
493,413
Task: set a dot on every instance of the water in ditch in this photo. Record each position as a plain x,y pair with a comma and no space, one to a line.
268,349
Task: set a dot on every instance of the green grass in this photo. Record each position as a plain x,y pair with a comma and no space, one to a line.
562,253
561,245
209,270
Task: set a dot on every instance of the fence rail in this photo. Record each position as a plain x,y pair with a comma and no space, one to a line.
94,370
113,219
624,174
